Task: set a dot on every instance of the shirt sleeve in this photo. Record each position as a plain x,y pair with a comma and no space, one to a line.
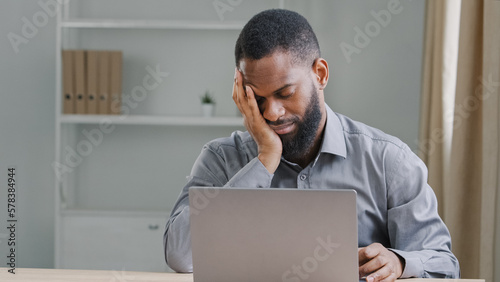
211,169
416,231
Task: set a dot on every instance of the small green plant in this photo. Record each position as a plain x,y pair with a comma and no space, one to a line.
207,98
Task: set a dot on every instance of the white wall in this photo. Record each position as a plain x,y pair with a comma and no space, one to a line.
380,86
27,133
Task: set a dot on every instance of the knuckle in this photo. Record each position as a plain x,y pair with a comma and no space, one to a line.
379,260
391,267
376,276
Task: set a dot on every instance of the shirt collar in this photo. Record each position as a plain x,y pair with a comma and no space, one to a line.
333,137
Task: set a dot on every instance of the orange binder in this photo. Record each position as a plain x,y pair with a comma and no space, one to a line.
68,99
103,89
115,82
92,75
81,99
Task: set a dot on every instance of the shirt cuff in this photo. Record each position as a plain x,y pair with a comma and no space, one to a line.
252,175
178,243
413,265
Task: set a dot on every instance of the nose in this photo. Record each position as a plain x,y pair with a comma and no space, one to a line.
273,110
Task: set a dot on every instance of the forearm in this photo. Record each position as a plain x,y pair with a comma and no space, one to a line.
429,264
416,231
254,175
177,242
420,237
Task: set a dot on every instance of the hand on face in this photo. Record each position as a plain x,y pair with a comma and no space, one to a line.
268,142
379,264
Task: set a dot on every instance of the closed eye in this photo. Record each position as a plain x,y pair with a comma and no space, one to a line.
285,95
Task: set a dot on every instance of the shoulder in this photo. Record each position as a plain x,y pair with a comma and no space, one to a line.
399,162
368,143
402,170
357,133
238,141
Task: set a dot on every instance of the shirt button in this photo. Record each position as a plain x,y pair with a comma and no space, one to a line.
303,177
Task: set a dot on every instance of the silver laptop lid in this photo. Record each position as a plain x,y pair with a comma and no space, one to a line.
240,234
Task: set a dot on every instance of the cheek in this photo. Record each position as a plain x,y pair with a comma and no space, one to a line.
304,99
297,106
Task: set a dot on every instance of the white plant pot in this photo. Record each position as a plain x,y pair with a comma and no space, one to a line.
208,110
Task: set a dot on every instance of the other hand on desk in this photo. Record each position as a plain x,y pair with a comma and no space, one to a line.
378,263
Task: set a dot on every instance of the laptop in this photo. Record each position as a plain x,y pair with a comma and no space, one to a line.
257,234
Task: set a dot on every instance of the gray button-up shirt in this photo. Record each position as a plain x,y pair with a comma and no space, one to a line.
396,207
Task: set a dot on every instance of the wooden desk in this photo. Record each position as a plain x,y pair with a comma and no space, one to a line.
67,275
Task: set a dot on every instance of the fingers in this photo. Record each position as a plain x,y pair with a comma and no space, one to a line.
367,253
384,273
244,99
251,102
241,100
268,142
236,86
378,263
239,95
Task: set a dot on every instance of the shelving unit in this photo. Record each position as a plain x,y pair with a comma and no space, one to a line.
153,120
152,24
113,196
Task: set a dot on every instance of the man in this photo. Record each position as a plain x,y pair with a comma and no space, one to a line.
295,140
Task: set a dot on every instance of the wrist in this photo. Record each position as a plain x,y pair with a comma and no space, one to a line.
402,263
270,161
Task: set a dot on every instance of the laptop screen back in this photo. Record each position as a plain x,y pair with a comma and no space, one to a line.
240,234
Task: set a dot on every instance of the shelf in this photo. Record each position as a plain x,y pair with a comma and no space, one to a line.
152,120
115,213
152,24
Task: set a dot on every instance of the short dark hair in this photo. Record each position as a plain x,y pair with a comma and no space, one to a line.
277,30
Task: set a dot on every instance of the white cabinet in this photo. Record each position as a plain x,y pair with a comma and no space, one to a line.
117,177
118,241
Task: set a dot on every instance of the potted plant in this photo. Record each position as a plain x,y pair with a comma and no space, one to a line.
207,104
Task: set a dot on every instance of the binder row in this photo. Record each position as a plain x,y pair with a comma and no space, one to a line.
92,81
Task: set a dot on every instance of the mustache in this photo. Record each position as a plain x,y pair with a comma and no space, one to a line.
283,121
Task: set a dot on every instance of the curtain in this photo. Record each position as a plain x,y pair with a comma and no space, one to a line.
439,78
459,126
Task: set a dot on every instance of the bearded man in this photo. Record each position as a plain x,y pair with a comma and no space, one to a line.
294,140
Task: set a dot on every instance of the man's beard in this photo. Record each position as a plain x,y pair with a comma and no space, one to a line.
299,145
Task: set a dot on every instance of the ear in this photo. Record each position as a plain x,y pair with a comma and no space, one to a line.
320,70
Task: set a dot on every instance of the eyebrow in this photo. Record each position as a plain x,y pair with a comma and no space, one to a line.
282,88
277,90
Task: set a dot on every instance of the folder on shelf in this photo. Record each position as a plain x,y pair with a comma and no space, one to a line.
115,82
68,99
81,95
92,75
103,89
